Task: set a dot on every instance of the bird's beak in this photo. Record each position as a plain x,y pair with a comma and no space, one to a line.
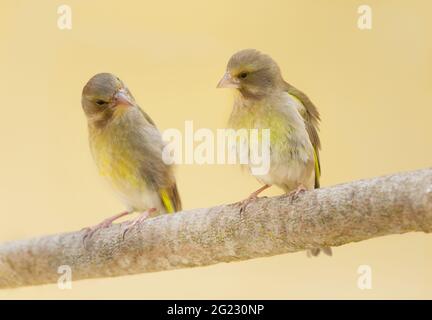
123,98
228,81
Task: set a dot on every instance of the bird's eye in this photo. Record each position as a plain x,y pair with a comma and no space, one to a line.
243,75
100,102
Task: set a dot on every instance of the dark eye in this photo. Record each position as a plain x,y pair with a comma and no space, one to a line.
100,102
243,75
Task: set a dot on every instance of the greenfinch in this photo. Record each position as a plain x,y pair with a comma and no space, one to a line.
127,149
264,100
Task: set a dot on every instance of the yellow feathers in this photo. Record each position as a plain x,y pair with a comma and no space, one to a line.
115,161
317,170
166,201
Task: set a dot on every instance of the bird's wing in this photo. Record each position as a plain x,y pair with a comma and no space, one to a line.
147,117
170,196
311,117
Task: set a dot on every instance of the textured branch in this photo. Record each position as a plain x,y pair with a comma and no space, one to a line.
331,216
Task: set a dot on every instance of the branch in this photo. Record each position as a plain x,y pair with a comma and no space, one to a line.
325,217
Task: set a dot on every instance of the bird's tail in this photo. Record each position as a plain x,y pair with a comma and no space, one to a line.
171,199
176,198
316,251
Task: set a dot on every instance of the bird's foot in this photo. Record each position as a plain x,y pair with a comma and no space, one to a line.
143,216
244,203
295,193
252,197
89,231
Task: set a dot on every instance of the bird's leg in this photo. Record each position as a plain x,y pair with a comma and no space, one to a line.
104,224
252,197
140,219
296,192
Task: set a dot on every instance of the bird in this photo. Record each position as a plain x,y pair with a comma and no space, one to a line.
127,148
264,100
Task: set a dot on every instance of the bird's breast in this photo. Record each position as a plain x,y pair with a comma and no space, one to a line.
290,148
261,116
115,159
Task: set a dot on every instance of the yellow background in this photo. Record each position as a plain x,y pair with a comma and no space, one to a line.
373,89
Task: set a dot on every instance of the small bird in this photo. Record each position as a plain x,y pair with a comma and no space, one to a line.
127,148
264,100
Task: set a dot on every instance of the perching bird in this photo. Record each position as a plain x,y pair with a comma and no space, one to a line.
265,101
127,148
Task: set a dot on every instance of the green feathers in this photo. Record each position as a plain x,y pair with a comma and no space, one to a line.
311,118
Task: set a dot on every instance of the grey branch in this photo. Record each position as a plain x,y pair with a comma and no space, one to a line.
327,217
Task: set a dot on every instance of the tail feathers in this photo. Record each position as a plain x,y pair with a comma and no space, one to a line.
171,199
314,252
317,169
176,198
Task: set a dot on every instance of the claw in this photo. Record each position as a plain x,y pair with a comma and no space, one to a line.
90,231
295,193
138,220
243,204
252,197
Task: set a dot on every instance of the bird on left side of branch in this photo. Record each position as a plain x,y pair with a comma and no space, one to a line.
127,149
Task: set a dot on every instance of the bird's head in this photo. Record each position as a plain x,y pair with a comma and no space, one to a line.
253,73
103,94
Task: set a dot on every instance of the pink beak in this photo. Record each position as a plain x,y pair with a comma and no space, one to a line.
123,98
228,81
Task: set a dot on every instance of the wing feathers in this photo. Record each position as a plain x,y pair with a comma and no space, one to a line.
311,117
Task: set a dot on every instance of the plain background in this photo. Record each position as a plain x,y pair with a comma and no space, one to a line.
372,87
